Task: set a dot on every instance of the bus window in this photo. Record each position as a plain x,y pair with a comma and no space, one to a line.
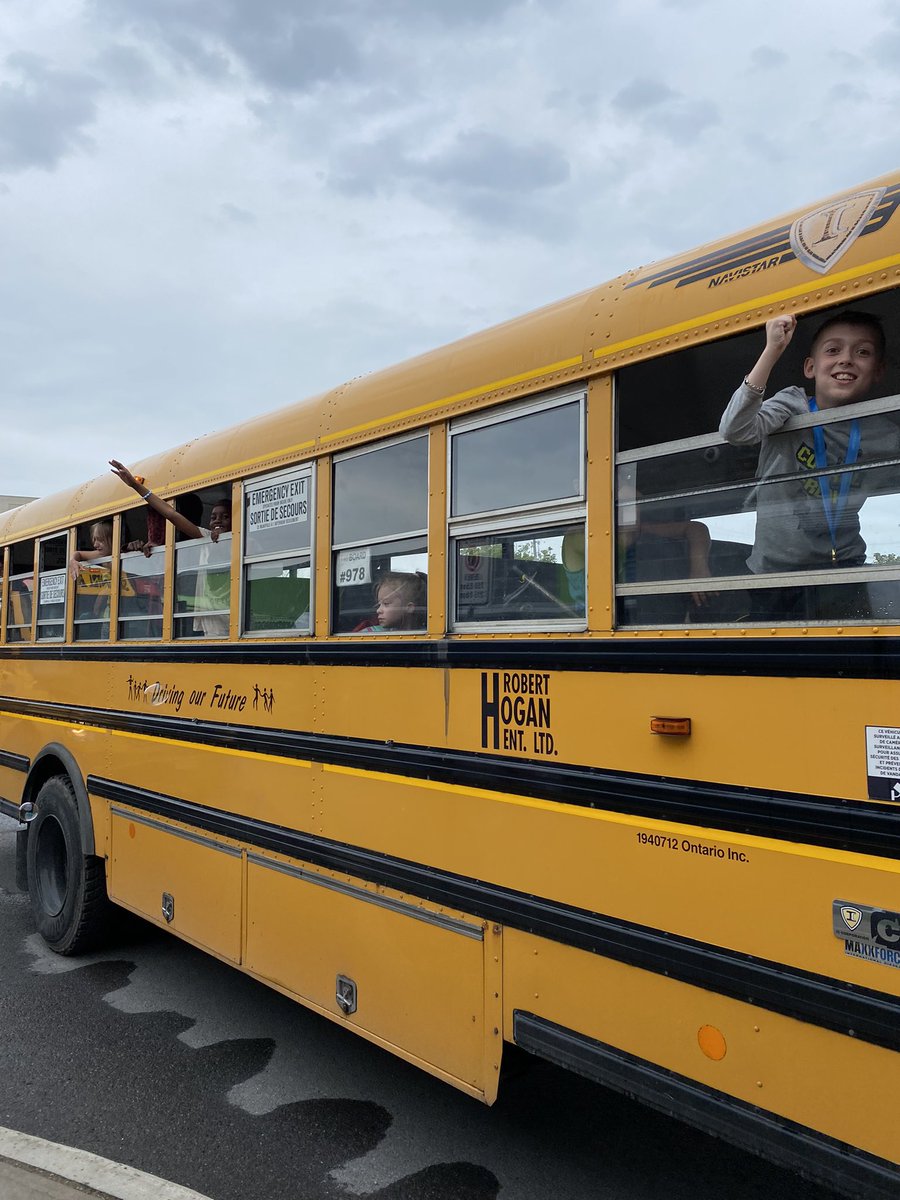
517,516
141,580
278,524
805,531
51,606
94,582
380,541
203,569
21,590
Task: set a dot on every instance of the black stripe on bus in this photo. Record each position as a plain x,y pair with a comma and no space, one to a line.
853,1172
775,657
15,762
816,999
761,246
8,809
850,825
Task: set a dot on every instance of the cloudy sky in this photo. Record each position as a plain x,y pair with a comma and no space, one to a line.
209,208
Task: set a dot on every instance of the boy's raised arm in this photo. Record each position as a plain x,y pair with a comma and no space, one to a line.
747,419
779,331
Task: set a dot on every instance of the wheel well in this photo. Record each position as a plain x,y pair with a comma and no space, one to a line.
56,760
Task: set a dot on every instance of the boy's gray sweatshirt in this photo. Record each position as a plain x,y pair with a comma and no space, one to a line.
792,531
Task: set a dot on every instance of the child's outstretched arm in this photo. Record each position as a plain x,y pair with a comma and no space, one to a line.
78,558
181,523
748,419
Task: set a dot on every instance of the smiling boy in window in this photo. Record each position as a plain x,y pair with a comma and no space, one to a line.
813,523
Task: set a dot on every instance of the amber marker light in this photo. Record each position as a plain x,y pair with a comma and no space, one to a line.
712,1042
671,725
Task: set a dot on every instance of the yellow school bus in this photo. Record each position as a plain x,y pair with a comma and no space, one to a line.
486,724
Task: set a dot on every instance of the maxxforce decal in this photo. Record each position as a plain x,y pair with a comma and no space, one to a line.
870,933
818,239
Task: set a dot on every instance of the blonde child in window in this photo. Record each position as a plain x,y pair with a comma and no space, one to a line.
399,603
101,540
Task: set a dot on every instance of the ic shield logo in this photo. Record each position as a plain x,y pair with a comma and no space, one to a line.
851,917
820,238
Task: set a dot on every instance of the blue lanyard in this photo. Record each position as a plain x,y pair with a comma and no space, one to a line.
834,507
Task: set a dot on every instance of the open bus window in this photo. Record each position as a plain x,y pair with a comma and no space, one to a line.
380,540
517,516
202,569
141,579
278,524
52,571
93,585
713,533
21,591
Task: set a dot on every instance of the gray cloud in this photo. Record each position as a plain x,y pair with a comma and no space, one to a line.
767,58
486,176
236,215
459,12
127,69
848,92
482,160
886,50
44,113
288,46
641,95
281,44
685,121
660,109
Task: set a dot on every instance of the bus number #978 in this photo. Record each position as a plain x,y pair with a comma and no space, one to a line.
352,575
658,839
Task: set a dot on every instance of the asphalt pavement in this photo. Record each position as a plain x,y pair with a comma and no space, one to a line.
32,1168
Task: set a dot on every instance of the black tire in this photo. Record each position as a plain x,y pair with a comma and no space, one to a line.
67,887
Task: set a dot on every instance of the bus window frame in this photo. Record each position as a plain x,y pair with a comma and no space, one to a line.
11,578
804,578
519,518
124,558
65,536
509,412
182,627
406,535
4,573
308,470
113,583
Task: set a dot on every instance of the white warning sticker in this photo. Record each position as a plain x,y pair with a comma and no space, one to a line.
883,762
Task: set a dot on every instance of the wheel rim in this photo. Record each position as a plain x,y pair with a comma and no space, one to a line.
52,861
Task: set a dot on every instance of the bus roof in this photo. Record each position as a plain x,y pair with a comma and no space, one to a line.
802,260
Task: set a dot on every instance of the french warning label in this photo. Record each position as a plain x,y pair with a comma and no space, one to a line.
883,762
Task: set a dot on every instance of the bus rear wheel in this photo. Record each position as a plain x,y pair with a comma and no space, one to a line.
67,887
